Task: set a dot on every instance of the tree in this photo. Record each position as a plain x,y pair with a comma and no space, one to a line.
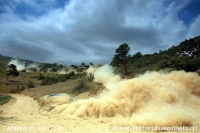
91,63
83,64
12,70
4,66
137,55
121,57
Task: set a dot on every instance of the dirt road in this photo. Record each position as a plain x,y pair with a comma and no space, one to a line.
22,115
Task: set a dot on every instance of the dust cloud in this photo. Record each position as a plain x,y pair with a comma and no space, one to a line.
151,99
21,65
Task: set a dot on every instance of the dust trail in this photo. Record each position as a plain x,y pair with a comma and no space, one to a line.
21,65
151,99
66,70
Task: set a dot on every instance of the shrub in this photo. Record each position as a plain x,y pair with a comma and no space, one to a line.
193,64
62,79
54,69
80,87
80,69
49,80
70,75
41,76
4,99
44,82
67,76
30,84
23,70
90,77
53,80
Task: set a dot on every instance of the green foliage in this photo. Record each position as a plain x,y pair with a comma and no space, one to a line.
62,79
4,66
41,76
82,64
121,57
54,67
122,50
46,80
49,80
4,99
12,70
174,62
23,70
137,55
70,75
138,63
193,64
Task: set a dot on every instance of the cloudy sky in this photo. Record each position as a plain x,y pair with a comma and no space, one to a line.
76,31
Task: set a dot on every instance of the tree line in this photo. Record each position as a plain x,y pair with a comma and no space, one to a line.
137,63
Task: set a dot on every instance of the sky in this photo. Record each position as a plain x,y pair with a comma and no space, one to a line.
76,31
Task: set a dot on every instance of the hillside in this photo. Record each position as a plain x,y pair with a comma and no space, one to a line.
167,59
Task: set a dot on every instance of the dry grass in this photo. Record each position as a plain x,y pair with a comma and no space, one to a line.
68,87
72,87
17,84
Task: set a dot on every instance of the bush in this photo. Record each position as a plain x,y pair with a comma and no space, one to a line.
91,77
70,75
81,69
49,80
44,82
4,99
23,70
53,80
41,76
30,84
193,64
62,79
80,87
